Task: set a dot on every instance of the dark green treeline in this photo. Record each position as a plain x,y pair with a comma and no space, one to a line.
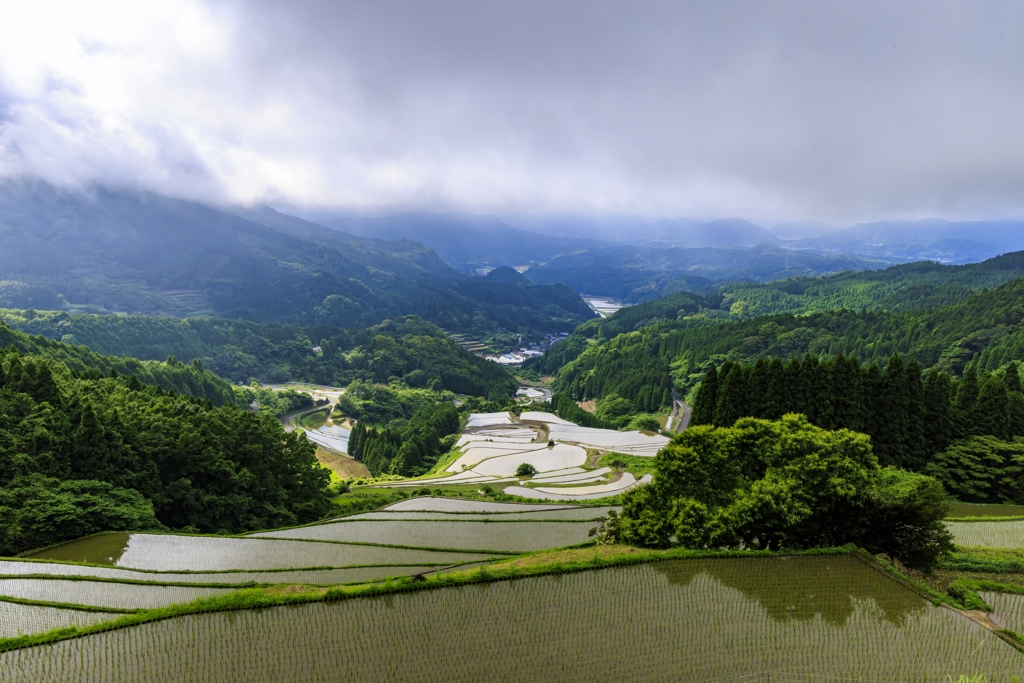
409,451
909,418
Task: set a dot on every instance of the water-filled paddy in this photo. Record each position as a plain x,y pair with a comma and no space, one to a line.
16,620
430,504
323,577
690,620
98,549
573,513
103,593
988,534
168,552
501,535
1007,608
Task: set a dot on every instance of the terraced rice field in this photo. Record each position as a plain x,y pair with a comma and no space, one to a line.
319,577
16,620
494,448
504,535
596,492
331,437
988,534
103,593
488,419
1007,608
168,552
575,513
687,620
204,553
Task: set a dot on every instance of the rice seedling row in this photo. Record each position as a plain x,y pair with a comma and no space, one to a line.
314,576
431,504
988,534
818,617
1008,608
209,553
566,514
103,593
17,619
501,536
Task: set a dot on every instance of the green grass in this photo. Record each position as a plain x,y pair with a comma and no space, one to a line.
636,465
314,420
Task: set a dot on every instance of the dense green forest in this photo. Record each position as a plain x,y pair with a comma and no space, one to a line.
903,288
85,447
408,348
986,325
910,419
783,484
410,449
191,379
907,287
123,251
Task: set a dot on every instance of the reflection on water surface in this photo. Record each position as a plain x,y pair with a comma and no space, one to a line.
100,549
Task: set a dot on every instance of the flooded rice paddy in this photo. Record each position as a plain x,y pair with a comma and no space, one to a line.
988,534
683,620
109,594
16,620
508,536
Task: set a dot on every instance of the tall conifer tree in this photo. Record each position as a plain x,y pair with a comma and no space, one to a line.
707,398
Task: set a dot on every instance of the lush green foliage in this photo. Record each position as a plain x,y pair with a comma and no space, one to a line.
568,410
986,326
526,470
624,320
81,451
909,420
276,403
191,379
784,484
982,469
410,450
37,510
907,287
408,348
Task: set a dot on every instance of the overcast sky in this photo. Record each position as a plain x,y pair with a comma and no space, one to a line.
767,110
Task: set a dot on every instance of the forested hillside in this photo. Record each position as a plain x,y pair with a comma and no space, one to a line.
140,253
965,433
986,325
410,349
84,451
636,274
171,375
625,320
905,287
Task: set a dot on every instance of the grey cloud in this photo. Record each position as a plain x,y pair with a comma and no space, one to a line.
804,110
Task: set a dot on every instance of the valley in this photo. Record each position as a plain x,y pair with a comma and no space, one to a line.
304,465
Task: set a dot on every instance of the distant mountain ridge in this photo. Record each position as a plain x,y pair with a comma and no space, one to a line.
926,239
465,241
126,251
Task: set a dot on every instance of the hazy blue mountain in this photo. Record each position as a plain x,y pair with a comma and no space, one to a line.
796,230
507,275
639,274
125,251
679,232
465,241
728,232
931,239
